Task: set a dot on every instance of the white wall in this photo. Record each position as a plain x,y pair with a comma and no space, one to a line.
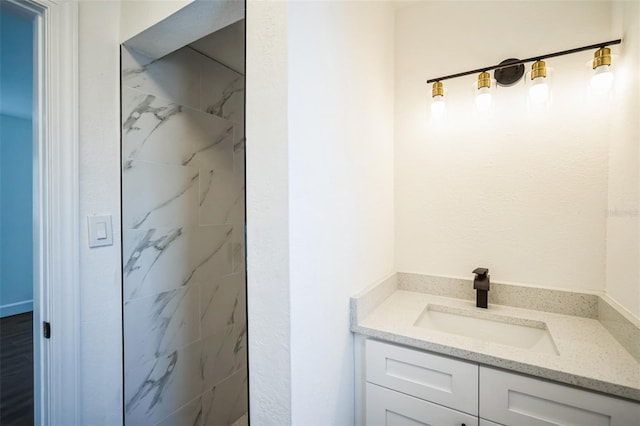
100,271
100,268
319,197
522,193
267,214
340,114
623,218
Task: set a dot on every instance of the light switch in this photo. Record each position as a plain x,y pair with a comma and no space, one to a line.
100,231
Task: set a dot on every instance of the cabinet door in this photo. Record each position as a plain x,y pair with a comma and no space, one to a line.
390,408
431,377
515,400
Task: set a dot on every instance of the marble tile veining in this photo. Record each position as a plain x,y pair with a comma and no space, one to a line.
160,324
161,259
159,387
184,286
219,199
159,195
188,415
238,248
160,131
223,91
175,77
227,402
238,214
239,141
222,304
224,353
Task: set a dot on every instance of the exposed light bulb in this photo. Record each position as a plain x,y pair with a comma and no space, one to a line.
602,79
483,99
539,91
539,83
438,106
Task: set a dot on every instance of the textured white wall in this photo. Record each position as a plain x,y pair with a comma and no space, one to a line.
340,66
100,268
100,271
623,218
267,214
519,192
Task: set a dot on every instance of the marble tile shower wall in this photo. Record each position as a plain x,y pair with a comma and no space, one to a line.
185,347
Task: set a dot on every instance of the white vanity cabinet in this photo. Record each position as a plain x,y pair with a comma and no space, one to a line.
391,408
512,399
411,387
404,386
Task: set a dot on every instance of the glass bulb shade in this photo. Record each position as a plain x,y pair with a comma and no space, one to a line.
539,90
483,99
438,106
602,79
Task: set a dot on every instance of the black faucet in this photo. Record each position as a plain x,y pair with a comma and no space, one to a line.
481,284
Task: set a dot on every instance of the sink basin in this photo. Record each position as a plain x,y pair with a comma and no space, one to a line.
511,331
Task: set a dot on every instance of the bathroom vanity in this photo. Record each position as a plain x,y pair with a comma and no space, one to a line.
437,359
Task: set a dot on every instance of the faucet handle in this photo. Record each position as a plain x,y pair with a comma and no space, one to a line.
481,271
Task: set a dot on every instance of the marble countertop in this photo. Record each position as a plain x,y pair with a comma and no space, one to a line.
589,356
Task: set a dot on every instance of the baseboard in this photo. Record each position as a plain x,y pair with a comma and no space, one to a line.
16,308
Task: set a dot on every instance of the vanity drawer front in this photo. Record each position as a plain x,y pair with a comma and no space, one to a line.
427,376
390,408
512,399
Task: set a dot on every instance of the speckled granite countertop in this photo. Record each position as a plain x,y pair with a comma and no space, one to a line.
589,356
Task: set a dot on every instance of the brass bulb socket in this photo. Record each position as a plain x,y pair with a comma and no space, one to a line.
437,89
602,57
484,80
538,69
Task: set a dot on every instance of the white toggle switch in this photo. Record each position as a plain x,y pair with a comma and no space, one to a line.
100,232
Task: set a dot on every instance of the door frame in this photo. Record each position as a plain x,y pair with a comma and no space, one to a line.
56,209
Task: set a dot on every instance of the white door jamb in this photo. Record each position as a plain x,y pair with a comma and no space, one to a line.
56,210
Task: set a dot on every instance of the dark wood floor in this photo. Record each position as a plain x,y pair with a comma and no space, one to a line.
16,370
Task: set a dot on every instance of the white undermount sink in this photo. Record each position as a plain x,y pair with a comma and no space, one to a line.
485,326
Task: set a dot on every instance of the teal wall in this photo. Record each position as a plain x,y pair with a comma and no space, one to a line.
16,164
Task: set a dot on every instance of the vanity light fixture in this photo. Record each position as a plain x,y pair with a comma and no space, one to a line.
438,106
538,83
483,95
602,76
509,72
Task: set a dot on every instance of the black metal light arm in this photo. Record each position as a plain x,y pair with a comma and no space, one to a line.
524,61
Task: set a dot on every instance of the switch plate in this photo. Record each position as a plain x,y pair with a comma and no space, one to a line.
100,231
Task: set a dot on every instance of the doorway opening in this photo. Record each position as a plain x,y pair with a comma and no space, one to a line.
39,213
17,215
